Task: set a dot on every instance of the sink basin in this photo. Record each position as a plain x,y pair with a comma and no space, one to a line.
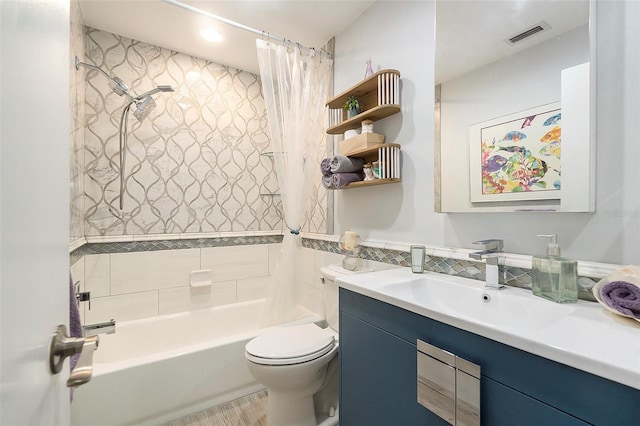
468,299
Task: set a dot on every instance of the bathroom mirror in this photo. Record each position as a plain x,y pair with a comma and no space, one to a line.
507,70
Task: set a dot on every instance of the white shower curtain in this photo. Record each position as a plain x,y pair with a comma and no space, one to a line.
295,86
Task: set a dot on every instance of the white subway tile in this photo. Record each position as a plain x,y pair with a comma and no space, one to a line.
122,308
253,288
182,299
97,274
274,255
236,262
151,270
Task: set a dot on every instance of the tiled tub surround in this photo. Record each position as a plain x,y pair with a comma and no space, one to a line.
196,164
133,280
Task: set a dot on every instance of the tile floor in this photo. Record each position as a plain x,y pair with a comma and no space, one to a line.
248,411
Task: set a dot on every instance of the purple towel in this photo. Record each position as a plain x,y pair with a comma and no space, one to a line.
327,181
342,164
340,180
622,296
325,166
75,324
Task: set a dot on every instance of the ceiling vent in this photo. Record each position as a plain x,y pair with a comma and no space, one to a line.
538,28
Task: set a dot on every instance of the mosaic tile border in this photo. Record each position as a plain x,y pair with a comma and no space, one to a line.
514,276
157,245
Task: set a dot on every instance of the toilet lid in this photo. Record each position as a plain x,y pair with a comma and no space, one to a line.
292,344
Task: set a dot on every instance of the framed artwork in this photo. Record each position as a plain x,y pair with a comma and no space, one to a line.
517,157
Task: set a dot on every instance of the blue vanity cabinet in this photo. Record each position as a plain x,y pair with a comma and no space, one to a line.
378,367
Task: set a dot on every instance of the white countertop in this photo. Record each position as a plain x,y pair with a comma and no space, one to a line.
582,335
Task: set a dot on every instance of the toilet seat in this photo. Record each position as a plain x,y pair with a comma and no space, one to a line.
290,345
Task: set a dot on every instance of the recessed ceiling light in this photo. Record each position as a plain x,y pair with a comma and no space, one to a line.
211,35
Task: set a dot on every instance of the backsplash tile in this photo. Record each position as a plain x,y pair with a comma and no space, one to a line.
513,276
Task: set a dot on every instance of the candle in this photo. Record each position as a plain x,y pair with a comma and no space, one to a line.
350,240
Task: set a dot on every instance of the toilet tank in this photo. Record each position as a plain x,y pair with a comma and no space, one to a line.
330,291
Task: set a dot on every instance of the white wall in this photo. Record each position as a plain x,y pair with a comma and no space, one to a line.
400,35
397,36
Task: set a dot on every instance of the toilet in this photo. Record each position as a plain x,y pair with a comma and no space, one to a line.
291,361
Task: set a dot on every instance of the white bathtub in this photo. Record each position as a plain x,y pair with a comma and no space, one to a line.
158,369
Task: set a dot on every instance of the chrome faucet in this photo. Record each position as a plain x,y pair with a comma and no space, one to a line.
491,255
107,327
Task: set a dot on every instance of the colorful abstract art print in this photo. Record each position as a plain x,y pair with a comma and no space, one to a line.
517,157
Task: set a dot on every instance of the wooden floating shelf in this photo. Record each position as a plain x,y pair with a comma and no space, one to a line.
355,122
359,90
374,182
373,149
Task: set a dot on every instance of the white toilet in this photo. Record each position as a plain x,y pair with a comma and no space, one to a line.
291,361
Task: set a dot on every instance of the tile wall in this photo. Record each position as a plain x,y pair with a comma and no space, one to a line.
141,284
196,164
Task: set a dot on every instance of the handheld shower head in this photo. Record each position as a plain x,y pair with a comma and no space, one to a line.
145,104
144,108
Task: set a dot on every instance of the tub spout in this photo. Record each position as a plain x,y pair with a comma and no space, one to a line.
107,327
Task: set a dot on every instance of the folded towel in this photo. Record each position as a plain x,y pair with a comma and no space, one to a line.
622,296
325,166
340,180
75,324
327,181
342,164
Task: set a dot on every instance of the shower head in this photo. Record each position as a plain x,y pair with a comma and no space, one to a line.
115,83
145,104
143,108
118,86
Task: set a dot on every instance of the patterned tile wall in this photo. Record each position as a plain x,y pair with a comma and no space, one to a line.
195,164
76,100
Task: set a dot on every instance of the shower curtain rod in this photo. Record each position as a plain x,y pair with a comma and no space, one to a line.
264,34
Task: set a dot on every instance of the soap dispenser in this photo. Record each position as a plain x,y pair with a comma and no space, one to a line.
554,277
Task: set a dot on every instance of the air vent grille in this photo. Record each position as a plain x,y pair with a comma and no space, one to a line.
542,26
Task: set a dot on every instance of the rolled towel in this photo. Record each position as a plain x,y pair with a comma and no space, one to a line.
622,296
325,166
327,181
340,180
342,164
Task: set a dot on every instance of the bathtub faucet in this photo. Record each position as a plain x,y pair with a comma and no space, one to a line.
107,327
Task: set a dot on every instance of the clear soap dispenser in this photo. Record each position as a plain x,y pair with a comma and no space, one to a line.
555,278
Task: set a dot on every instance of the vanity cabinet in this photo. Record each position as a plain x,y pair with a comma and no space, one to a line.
378,365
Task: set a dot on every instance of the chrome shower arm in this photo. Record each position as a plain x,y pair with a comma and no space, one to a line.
77,63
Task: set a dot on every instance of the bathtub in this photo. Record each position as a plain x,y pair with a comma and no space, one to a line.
158,369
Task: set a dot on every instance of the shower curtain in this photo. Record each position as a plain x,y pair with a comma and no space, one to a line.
295,86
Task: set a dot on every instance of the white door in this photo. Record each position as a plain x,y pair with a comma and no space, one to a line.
34,207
